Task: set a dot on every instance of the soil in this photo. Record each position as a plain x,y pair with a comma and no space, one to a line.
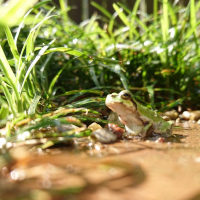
128,169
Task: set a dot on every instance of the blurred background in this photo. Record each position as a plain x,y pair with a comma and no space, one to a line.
82,9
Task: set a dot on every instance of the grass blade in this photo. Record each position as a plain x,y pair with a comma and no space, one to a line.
125,20
8,96
4,111
30,46
193,16
151,95
12,44
63,7
6,68
102,9
53,82
165,21
41,52
94,77
122,16
67,50
20,26
10,15
10,77
118,71
38,5
155,10
80,92
33,105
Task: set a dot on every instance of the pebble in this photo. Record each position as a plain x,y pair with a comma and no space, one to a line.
104,136
94,126
191,115
114,128
171,114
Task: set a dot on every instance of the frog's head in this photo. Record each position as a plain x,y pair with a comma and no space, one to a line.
121,103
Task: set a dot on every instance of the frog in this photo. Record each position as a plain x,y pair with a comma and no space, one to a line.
137,119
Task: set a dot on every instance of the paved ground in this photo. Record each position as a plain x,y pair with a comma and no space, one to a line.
139,170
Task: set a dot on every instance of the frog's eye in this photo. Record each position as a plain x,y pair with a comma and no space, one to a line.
126,96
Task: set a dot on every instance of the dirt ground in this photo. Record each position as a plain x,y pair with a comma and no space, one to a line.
127,169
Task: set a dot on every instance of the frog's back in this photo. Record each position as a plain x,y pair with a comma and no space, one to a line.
149,113
160,125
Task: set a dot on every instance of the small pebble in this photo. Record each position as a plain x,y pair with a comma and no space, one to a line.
191,115
160,140
166,118
178,120
94,126
104,136
114,128
171,114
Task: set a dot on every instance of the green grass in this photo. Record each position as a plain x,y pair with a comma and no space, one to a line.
48,61
160,52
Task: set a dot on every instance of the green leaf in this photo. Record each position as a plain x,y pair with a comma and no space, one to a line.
151,95
8,96
165,21
172,104
64,9
67,50
10,14
4,65
102,9
93,76
117,69
41,52
105,60
125,20
53,82
10,78
40,4
122,16
135,8
12,44
4,111
79,92
33,105
193,15
30,46
89,102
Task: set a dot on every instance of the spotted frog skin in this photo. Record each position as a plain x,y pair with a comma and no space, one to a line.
138,120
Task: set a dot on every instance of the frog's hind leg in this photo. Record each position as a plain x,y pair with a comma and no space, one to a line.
162,130
147,130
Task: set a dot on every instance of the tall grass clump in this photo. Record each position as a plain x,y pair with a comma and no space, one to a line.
27,97
18,79
154,55
24,81
159,51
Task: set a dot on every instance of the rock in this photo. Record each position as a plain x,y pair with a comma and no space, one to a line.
172,114
178,120
104,136
166,118
114,128
191,115
66,127
94,126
